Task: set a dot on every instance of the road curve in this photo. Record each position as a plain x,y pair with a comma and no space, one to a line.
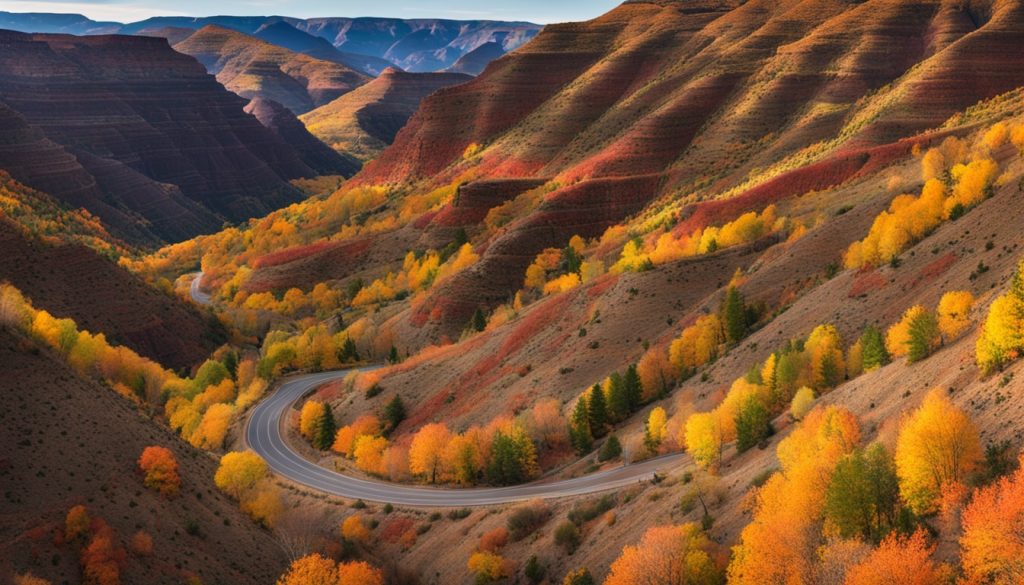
198,295
263,435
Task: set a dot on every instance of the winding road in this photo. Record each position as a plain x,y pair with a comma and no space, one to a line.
264,435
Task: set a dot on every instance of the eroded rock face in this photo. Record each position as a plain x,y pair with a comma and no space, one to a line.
320,157
138,134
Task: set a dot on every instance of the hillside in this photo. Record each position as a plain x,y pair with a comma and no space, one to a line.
251,67
282,34
69,441
365,121
126,145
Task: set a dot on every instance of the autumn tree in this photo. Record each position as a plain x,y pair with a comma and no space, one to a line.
76,523
667,554
489,567
309,418
954,313
898,561
863,494
513,457
359,573
656,429
369,454
312,569
803,402
160,469
704,438
354,529
103,558
1002,334
937,444
992,542
239,472
579,576
426,453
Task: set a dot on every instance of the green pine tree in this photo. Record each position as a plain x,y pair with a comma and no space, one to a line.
634,388
873,352
393,355
326,428
734,316
611,449
479,321
618,399
394,412
597,411
348,351
231,364
579,428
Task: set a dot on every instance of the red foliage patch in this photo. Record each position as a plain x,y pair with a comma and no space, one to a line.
935,269
391,530
291,254
865,282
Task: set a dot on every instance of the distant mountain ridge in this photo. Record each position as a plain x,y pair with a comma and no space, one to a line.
367,44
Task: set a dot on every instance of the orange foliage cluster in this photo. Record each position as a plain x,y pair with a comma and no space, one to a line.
315,569
246,477
102,557
668,554
160,469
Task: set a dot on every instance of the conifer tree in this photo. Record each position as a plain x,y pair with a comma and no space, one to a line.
924,336
393,355
579,427
618,399
753,423
479,321
597,411
634,388
394,412
734,316
326,428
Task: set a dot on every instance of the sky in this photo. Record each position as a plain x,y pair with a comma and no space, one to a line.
540,11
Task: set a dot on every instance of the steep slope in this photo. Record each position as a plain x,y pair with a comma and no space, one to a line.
173,34
69,441
282,34
475,61
251,67
317,155
149,125
363,122
689,102
64,273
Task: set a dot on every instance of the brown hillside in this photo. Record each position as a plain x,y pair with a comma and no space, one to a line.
251,67
67,442
365,121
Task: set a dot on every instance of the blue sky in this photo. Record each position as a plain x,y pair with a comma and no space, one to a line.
542,11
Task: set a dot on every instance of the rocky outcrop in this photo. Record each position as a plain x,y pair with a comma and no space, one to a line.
138,134
252,68
365,121
317,155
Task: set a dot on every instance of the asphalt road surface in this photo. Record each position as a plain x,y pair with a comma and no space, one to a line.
263,434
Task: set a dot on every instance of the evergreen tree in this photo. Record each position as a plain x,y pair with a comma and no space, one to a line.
231,363
393,355
734,316
611,449
873,352
618,399
348,351
579,577
829,370
753,423
571,260
924,337
579,428
479,321
513,458
597,411
534,571
634,388
326,428
862,499
394,412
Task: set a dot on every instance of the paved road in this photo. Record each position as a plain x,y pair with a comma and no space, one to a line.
263,434
197,295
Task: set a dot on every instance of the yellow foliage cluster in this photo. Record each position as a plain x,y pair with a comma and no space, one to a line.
668,248
1002,334
417,274
244,475
952,186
